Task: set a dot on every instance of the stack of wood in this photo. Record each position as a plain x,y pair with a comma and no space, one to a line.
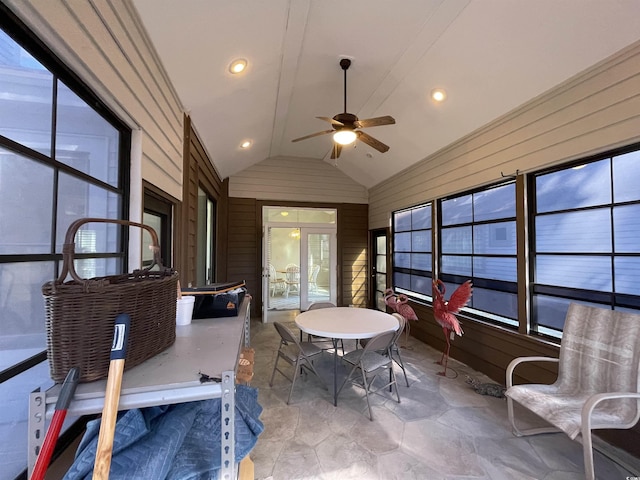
244,372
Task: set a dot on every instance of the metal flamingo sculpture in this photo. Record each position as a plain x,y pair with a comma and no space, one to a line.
444,311
404,309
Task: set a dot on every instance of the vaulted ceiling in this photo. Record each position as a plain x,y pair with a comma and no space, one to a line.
490,56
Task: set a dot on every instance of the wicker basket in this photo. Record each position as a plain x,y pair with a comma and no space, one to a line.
80,313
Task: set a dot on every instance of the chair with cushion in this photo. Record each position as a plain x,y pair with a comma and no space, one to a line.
394,351
313,278
292,279
276,284
296,353
371,365
597,383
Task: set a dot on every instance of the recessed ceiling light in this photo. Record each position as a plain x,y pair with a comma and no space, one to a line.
438,95
245,144
238,65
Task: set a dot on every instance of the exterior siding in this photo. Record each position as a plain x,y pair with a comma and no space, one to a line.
593,112
105,44
296,179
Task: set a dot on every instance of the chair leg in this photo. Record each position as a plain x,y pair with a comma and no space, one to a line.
296,366
345,381
395,382
366,392
275,368
400,363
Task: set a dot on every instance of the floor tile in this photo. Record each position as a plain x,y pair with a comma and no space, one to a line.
441,430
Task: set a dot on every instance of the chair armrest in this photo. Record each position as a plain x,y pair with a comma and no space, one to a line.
595,399
517,361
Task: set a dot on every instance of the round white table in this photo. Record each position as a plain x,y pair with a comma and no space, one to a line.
346,323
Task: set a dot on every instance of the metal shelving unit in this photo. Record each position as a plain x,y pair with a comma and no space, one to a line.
208,346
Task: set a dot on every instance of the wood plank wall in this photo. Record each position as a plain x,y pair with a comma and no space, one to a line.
198,173
244,248
353,255
296,180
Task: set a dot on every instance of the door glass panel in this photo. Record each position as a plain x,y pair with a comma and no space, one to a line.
155,222
319,267
379,273
205,267
282,251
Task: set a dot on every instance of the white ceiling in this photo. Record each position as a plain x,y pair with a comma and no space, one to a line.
490,55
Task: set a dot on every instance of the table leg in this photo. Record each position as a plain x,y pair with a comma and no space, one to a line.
335,371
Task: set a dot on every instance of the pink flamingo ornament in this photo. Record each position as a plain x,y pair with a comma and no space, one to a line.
443,311
391,299
404,309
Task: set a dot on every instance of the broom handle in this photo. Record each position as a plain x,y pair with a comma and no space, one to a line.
104,449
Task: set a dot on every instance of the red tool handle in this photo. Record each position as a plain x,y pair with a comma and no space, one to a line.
66,394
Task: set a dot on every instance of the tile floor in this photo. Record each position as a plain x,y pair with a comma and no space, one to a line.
441,430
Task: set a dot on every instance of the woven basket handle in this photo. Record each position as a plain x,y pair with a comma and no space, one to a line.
69,247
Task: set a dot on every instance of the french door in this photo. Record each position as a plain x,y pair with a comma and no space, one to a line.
313,251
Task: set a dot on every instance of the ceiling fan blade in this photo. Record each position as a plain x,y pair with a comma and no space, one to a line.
336,150
332,121
375,122
372,142
312,135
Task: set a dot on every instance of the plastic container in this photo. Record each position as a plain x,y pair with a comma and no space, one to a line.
184,309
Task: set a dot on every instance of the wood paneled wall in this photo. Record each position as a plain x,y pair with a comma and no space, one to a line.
244,248
243,243
353,255
296,180
198,173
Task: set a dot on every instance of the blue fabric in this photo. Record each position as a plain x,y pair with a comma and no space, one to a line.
180,441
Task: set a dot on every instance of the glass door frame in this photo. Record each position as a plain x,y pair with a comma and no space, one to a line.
305,229
304,265
375,288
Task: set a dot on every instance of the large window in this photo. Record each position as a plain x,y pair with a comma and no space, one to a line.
580,242
412,251
478,243
586,242
62,157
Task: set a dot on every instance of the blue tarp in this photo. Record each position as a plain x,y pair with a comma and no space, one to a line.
180,441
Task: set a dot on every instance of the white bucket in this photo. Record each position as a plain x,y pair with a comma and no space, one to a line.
184,309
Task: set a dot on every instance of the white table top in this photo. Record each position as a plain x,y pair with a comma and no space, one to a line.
346,322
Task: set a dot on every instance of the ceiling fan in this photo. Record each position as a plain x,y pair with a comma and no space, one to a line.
345,125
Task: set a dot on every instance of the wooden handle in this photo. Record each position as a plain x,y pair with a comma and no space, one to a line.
102,463
104,449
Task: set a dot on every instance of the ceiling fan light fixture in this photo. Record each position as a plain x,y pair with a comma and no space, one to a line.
344,137
238,66
438,95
